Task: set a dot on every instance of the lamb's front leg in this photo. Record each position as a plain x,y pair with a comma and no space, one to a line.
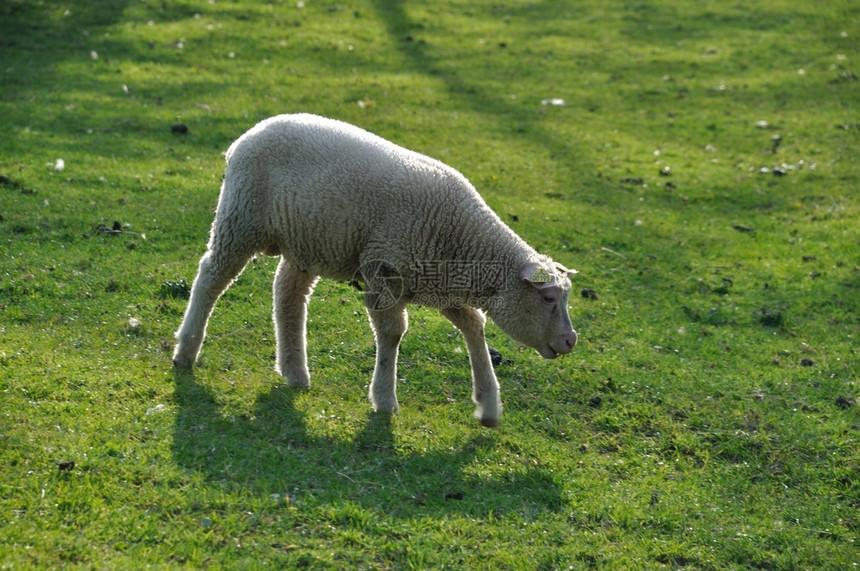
291,291
388,328
485,387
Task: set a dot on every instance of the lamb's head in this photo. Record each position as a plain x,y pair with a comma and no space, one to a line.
532,308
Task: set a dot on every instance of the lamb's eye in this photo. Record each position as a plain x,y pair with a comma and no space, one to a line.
549,299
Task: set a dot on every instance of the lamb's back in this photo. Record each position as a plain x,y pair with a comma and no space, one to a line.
329,191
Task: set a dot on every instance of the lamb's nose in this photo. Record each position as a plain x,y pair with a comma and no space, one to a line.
570,339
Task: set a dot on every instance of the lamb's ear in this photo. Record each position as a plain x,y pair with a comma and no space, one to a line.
536,275
565,271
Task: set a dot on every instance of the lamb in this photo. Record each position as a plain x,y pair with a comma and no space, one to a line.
336,201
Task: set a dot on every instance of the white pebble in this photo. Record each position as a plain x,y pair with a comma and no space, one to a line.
156,409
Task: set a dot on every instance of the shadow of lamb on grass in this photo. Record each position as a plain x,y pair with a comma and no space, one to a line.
272,451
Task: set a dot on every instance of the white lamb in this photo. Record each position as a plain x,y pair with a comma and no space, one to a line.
336,201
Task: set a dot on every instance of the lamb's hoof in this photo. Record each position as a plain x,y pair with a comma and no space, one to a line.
182,364
298,381
299,378
489,415
387,407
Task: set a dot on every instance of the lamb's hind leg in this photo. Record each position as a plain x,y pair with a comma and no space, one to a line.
218,268
485,387
291,291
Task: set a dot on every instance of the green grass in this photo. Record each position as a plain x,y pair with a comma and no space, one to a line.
707,420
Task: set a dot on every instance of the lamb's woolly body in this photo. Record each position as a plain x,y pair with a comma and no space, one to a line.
336,201
371,200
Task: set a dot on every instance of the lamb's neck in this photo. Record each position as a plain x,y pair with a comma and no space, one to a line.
486,238
487,250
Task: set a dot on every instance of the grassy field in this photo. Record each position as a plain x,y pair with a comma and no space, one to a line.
698,163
